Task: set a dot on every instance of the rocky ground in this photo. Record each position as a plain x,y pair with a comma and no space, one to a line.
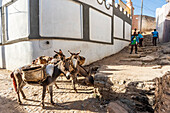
123,83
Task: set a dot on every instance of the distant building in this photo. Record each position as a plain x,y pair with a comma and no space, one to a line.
163,22
127,7
148,23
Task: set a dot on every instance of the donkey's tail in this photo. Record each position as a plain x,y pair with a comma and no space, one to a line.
14,81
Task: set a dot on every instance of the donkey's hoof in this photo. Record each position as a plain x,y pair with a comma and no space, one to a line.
24,97
57,87
52,103
19,102
42,106
76,90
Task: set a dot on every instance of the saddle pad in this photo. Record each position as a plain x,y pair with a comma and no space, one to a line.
49,69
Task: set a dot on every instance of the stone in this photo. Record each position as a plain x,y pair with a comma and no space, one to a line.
134,56
121,82
157,67
166,51
140,85
99,83
148,52
114,107
154,49
164,62
143,54
147,59
140,50
10,88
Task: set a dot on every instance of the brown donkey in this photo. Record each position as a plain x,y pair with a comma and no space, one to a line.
73,65
52,70
49,60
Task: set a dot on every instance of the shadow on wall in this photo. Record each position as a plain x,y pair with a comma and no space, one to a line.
3,65
166,33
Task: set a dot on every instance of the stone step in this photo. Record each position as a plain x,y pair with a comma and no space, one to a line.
148,59
134,56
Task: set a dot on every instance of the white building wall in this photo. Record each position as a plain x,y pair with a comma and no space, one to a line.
23,53
60,18
100,26
0,28
18,54
127,31
1,57
161,16
17,20
96,5
118,27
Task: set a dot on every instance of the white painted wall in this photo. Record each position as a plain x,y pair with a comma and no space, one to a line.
0,28
91,51
60,18
161,15
118,27
18,54
17,20
57,21
1,58
22,53
127,31
96,5
100,26
3,2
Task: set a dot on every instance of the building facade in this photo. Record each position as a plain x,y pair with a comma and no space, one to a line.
32,28
163,22
148,23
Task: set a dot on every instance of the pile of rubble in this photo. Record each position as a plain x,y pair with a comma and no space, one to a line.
162,94
132,96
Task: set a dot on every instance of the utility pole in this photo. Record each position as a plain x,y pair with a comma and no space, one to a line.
141,16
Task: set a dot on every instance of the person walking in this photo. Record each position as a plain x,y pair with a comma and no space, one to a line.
134,42
155,36
140,37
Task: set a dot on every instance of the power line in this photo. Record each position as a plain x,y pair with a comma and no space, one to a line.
146,8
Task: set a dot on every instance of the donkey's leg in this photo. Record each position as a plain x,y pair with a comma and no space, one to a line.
56,85
51,95
43,96
23,95
18,89
74,79
18,81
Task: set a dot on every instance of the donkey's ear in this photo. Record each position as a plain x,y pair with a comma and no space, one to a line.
56,52
60,51
78,52
70,52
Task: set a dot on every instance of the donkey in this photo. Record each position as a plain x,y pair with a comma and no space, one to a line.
53,71
42,60
49,60
72,63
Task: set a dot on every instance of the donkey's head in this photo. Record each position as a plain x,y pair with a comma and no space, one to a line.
76,58
61,65
59,55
